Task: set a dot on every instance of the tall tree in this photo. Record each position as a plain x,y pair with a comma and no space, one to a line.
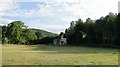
70,32
89,30
4,34
117,30
79,31
29,35
104,31
109,28
17,33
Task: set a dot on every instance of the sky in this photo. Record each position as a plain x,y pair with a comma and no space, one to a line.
54,15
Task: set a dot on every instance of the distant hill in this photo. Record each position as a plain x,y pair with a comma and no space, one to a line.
45,33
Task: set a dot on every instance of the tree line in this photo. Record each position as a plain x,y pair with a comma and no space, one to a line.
18,33
104,31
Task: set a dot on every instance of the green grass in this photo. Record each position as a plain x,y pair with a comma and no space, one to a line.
0,55
57,55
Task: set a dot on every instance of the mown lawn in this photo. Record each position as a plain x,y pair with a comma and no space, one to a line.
57,55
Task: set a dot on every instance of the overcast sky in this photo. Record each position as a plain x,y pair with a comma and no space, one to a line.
54,15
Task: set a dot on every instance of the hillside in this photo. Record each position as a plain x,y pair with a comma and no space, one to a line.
44,33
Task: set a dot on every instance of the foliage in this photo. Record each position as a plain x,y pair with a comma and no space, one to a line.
17,33
101,31
105,30
46,40
44,33
39,35
117,30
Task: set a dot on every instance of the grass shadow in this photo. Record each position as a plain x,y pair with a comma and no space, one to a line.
72,49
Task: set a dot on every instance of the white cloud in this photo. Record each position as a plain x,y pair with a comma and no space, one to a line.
43,0
5,9
119,7
5,21
80,8
93,8
7,6
62,11
49,27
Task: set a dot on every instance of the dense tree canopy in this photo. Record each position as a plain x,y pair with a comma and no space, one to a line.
101,31
17,33
104,31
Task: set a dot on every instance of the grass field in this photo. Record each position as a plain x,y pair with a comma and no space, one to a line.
57,55
0,55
